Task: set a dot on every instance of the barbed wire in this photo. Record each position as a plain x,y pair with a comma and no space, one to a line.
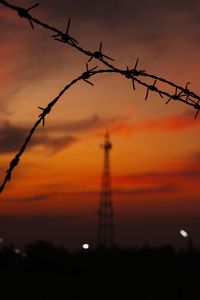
182,94
191,98
45,111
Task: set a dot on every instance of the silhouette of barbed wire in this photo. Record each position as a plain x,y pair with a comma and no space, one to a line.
191,98
45,111
182,94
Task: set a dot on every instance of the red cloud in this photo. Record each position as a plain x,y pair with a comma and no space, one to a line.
169,123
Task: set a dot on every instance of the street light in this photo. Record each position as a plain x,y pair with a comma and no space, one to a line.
85,246
1,243
185,235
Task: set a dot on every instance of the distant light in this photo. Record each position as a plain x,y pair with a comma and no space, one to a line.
17,251
86,246
183,233
1,240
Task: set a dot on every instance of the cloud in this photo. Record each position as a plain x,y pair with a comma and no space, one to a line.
54,144
146,191
34,198
149,22
90,123
53,138
156,188
172,123
160,176
184,178
12,137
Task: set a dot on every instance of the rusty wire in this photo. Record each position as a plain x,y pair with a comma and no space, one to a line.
182,94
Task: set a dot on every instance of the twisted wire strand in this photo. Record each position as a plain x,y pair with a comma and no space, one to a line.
182,94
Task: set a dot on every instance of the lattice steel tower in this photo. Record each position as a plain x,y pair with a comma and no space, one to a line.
105,230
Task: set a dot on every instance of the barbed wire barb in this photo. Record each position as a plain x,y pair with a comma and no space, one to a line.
45,111
65,37
23,13
86,75
197,106
99,55
128,74
175,96
186,90
151,88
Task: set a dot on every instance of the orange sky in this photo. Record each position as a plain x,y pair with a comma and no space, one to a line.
155,158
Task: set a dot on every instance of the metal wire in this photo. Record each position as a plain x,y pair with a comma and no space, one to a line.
182,94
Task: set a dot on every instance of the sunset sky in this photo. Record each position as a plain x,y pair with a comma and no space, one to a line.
155,160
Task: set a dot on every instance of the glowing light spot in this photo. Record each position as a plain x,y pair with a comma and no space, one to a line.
85,246
183,233
17,251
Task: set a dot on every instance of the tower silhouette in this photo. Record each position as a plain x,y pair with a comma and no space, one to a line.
105,230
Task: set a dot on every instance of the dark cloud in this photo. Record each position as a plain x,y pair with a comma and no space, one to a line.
12,137
53,138
146,191
172,175
33,198
163,181
159,189
141,20
153,25
145,21
91,123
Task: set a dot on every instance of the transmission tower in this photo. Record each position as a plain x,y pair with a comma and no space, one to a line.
105,234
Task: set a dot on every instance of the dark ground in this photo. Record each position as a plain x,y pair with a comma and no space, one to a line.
44,272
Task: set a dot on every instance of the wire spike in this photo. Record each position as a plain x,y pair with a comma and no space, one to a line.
108,57
94,68
168,100
31,23
133,83
32,7
147,94
56,39
136,63
186,86
196,114
100,47
55,35
68,25
88,81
